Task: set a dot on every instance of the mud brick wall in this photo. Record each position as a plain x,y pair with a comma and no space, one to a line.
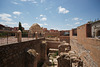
52,34
87,48
65,38
14,55
63,62
53,44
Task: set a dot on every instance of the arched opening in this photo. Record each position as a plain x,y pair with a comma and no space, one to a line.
98,33
40,34
33,34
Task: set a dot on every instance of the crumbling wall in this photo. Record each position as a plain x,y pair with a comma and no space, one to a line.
68,58
87,48
15,55
65,38
85,54
53,44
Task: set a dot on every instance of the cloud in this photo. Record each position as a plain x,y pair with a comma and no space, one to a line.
12,24
5,17
6,20
77,23
26,25
81,19
62,10
40,24
69,25
44,24
23,0
43,19
48,8
33,1
15,3
77,19
41,15
42,1
15,17
16,12
36,18
55,28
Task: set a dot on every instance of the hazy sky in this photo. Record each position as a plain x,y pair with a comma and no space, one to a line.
52,14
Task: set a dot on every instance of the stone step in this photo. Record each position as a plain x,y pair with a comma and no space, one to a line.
53,50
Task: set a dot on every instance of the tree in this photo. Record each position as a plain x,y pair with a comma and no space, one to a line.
20,27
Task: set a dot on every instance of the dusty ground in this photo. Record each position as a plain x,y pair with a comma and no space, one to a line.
10,40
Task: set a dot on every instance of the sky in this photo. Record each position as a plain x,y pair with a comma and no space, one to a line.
50,14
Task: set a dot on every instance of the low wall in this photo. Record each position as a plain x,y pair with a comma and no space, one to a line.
53,44
52,34
14,55
65,38
88,49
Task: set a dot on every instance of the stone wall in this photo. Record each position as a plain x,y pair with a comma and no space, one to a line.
65,38
52,34
67,57
15,55
87,48
53,44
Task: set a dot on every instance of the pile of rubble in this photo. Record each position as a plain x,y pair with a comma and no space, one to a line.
68,58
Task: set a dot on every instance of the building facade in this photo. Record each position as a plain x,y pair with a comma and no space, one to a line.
17,28
5,28
85,46
96,29
35,29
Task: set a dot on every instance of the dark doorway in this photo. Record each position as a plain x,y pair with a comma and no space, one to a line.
98,33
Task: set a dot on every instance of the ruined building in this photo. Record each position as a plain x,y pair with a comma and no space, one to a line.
35,29
83,50
87,47
96,29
